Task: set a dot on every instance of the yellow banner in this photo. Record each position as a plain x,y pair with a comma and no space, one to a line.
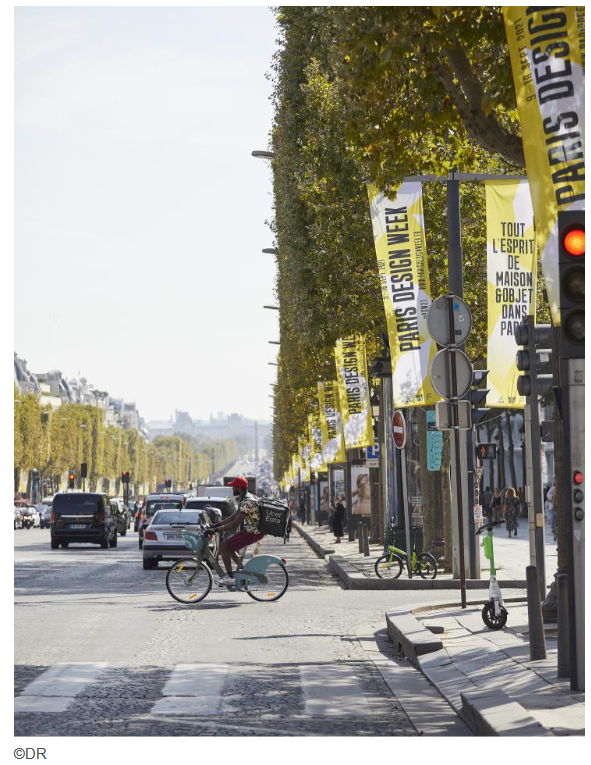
399,237
511,278
317,463
351,363
331,427
547,57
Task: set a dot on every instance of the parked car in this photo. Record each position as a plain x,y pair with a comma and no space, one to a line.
18,518
164,537
156,502
82,517
124,508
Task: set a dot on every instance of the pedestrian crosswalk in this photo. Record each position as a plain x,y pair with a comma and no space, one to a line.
209,689
55,690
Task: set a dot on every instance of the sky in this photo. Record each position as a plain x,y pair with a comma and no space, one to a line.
140,214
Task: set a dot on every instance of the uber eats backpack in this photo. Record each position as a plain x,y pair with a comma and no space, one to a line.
274,517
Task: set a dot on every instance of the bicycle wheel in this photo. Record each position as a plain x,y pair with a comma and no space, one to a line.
275,586
427,566
188,582
387,569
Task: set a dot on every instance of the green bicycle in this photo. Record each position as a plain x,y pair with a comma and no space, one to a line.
390,566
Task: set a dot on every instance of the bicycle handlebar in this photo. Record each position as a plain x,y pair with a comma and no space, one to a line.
489,525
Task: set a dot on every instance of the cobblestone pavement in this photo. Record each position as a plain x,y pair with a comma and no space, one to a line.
295,667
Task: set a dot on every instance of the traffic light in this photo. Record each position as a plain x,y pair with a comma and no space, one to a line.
477,395
531,360
381,366
71,478
125,476
571,275
486,451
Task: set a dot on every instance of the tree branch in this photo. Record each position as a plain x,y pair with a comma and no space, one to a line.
468,99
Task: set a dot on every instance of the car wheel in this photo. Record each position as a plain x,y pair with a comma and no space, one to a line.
104,543
149,563
54,544
65,544
113,542
124,532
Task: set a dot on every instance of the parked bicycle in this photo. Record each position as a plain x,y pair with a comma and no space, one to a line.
390,566
263,577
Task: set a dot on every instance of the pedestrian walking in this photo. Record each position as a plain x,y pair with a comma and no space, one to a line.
496,505
339,518
511,511
486,503
552,508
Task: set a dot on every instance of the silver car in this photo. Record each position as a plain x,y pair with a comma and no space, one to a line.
164,538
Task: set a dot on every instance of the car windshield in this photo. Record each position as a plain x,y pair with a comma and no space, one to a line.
193,503
159,504
76,503
167,518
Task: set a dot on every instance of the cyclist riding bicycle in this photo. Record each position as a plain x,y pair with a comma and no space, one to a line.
249,514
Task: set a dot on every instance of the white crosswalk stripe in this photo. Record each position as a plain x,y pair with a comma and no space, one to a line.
58,686
331,690
193,689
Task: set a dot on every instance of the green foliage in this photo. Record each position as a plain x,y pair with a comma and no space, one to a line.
57,441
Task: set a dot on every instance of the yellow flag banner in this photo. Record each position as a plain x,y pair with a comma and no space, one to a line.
351,363
399,237
317,463
331,427
547,47
511,283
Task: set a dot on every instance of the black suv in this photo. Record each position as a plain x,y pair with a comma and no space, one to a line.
82,517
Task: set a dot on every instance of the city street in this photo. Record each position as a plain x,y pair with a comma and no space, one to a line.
228,666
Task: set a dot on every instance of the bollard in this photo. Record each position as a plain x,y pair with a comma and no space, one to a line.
365,540
537,640
562,618
360,535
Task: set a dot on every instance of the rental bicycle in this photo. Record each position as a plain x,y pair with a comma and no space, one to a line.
390,565
263,577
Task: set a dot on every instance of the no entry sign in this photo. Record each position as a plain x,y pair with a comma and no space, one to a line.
399,429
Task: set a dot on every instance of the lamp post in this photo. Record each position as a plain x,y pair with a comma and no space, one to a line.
262,154
272,307
271,251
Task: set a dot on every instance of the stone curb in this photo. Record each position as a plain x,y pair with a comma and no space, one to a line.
493,713
353,580
487,713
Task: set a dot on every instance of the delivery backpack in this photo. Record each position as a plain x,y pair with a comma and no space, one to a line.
274,518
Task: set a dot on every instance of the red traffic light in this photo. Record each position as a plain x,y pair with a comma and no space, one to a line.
578,477
71,476
574,241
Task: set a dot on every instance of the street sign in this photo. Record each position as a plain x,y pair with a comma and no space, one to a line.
399,429
444,415
486,451
434,444
438,321
372,456
441,373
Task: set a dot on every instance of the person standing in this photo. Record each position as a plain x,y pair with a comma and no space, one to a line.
339,518
552,508
511,511
496,503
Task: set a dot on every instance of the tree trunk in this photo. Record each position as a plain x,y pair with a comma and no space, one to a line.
509,423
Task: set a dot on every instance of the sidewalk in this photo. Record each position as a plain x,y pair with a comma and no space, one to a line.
486,675
357,571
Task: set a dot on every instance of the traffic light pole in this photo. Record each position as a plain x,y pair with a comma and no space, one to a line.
572,377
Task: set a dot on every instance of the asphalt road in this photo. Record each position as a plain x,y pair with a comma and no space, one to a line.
102,650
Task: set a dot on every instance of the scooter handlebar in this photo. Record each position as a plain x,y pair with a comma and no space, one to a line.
489,525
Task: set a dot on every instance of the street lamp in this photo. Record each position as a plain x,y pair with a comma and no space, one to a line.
262,154
271,251
274,342
272,307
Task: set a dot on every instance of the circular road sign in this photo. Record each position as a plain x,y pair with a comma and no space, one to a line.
441,373
438,320
399,429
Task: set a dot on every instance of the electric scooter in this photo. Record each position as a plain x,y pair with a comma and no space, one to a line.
494,613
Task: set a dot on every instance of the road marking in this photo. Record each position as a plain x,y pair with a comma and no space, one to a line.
193,689
331,690
56,688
